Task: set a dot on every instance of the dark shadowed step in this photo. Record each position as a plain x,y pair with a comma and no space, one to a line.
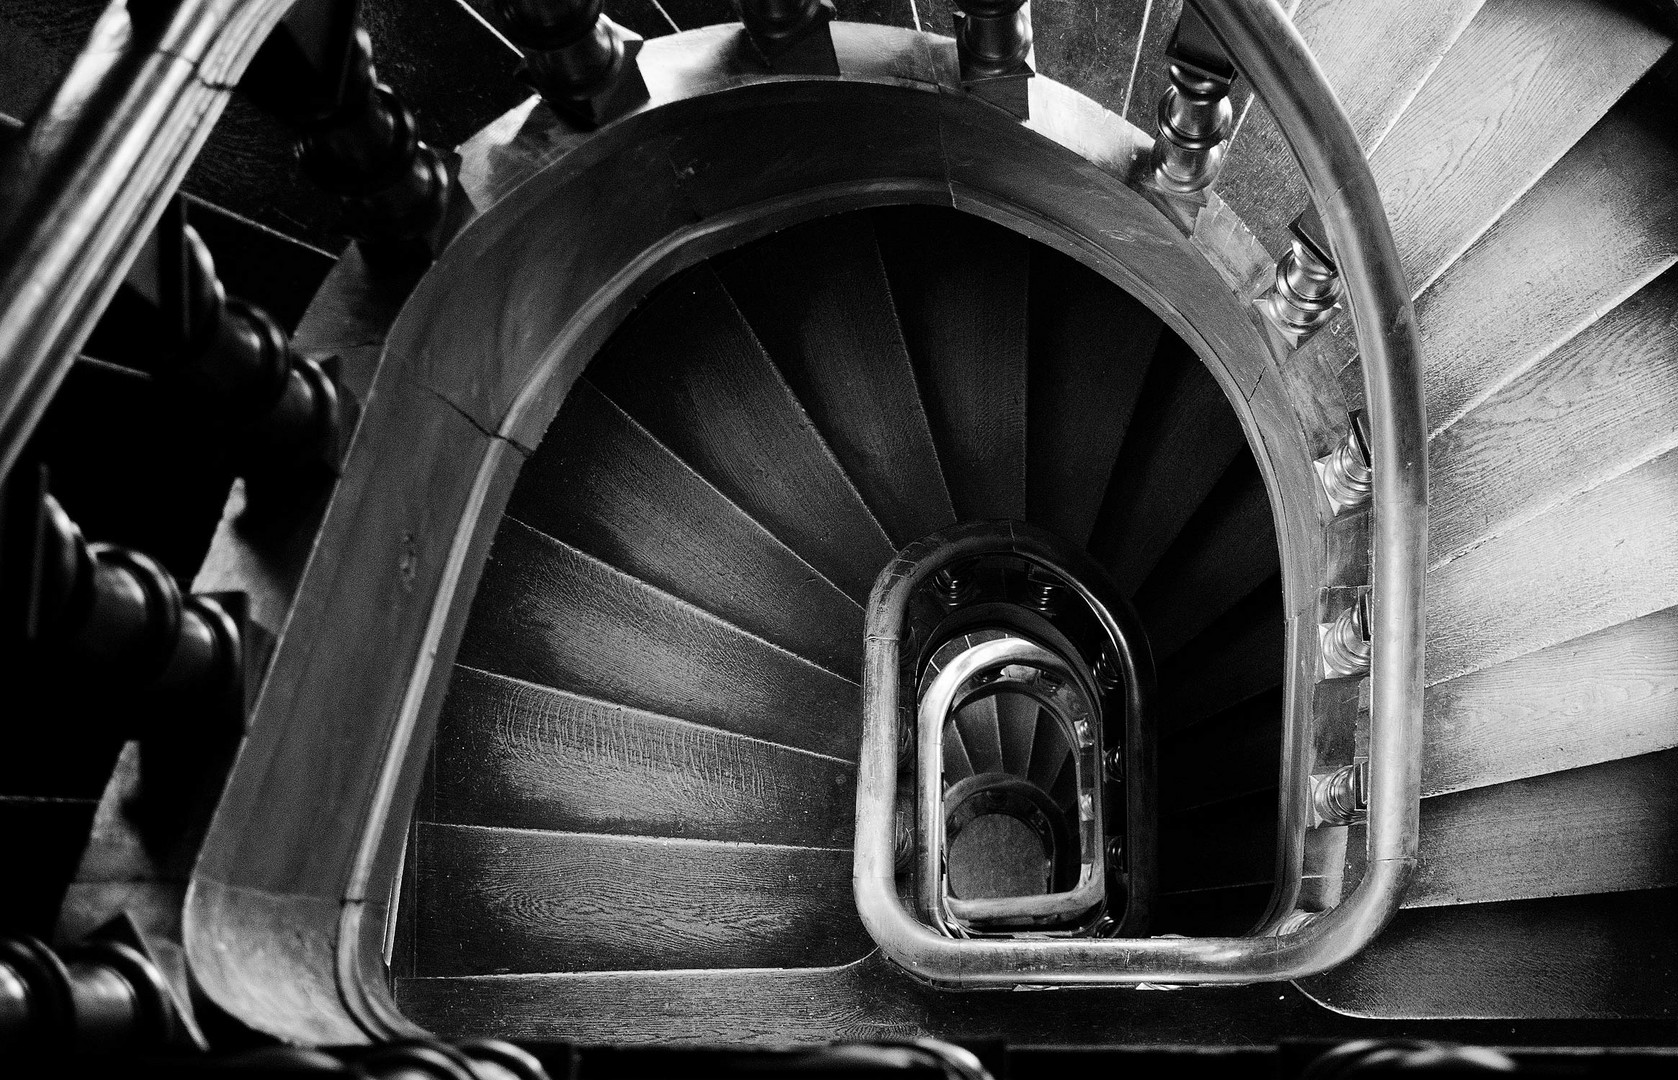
1236,752
1227,843
510,753
1235,658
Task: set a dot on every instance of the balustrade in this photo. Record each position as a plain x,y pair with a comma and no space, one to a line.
582,63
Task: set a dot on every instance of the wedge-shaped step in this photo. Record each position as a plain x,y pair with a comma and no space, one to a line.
1601,558
959,284
1604,828
510,753
548,614
1182,439
1237,752
817,298
1598,405
1228,843
1607,695
510,900
1579,956
602,484
1091,345
688,369
1238,656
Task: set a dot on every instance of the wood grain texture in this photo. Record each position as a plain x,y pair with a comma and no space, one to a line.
960,287
1586,236
1184,436
1604,828
602,484
1224,551
1222,844
1596,406
1238,656
1236,752
817,298
509,753
1520,85
493,901
548,614
1607,695
1601,558
1614,955
688,369
1091,345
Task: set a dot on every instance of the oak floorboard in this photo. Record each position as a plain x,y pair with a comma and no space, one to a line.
960,288
688,369
498,901
548,614
1091,344
510,753
600,483
817,298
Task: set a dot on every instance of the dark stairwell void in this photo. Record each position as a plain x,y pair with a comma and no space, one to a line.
646,760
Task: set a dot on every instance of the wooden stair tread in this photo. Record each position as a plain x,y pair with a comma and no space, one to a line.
512,901
1606,695
960,288
1238,656
1091,344
1017,719
1611,827
548,614
1601,558
687,367
1226,549
1597,405
513,754
1236,752
817,298
1608,956
981,735
602,484
1182,438
1520,85
1228,843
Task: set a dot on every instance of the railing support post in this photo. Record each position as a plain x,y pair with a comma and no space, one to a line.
794,37
582,63
1307,287
1195,116
993,47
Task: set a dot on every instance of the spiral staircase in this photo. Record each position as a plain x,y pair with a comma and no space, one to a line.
636,818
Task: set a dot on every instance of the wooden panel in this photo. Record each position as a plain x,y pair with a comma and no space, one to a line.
1605,828
1601,558
687,367
548,614
493,901
509,753
1614,955
1224,551
1227,843
603,485
1240,655
817,298
1610,694
959,284
1091,45
1601,403
1521,85
1091,345
1183,438
1236,752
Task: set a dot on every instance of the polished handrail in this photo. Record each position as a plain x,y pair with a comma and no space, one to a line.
83,187
1270,53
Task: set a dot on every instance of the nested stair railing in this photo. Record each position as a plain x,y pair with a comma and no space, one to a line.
90,182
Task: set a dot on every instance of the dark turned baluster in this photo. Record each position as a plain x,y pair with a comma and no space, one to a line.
1195,117
355,136
794,37
1307,284
993,46
582,63
103,996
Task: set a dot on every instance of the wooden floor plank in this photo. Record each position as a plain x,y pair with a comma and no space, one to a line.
1588,234
817,298
1184,436
602,484
1224,552
1091,344
1611,694
494,901
1599,559
960,288
510,753
1603,828
548,614
1597,405
1519,86
688,369
1608,956
1238,656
